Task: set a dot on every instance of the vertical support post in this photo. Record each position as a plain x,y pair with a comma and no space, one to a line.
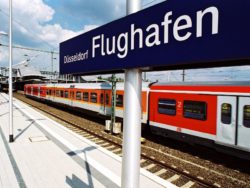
113,80
11,138
51,66
132,129
132,119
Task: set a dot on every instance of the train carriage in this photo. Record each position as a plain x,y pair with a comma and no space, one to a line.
34,90
219,112
207,113
94,97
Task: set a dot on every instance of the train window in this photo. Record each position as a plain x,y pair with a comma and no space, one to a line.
86,96
107,99
66,94
226,113
119,100
57,93
246,116
47,91
72,94
195,110
93,97
62,93
78,95
167,106
101,98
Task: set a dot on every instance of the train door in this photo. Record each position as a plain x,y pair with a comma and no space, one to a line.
226,119
243,133
107,101
71,95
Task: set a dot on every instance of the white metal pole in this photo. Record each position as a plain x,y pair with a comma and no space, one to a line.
132,119
51,78
11,138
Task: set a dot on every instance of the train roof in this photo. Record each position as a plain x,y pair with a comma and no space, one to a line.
219,88
101,85
213,83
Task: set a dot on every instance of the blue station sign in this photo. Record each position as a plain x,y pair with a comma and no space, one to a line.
171,34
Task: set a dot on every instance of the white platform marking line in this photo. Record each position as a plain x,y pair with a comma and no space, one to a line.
106,172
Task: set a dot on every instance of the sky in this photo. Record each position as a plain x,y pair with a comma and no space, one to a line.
43,24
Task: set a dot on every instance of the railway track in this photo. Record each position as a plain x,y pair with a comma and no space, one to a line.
181,172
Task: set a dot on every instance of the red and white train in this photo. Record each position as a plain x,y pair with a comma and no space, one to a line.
211,112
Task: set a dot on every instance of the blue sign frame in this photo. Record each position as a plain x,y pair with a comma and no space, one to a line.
170,34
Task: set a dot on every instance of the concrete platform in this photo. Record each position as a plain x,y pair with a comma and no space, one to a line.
46,154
